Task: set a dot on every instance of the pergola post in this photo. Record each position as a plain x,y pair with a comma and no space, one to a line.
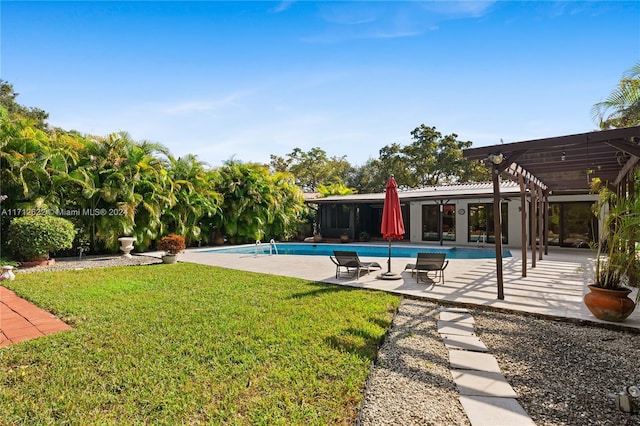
540,222
523,223
497,228
532,222
546,222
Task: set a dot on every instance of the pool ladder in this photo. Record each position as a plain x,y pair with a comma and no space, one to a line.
273,248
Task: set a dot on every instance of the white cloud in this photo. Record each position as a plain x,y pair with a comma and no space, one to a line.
385,20
187,107
283,6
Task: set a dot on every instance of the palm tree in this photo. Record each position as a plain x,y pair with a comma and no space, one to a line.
34,166
125,180
256,204
195,200
622,107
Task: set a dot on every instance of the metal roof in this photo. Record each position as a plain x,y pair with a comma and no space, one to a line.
467,190
568,163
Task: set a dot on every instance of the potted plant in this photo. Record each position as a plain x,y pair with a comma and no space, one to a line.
171,244
617,265
364,236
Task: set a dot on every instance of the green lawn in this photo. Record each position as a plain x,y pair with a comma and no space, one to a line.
191,344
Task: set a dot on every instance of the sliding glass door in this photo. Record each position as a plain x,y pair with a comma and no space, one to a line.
438,221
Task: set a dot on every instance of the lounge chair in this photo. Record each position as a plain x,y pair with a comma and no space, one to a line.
350,260
429,262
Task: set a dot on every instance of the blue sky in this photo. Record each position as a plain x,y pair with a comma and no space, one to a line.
245,80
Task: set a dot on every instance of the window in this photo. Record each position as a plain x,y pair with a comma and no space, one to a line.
430,223
339,216
481,223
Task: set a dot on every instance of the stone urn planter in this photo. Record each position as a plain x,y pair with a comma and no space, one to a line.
126,245
609,304
169,258
7,273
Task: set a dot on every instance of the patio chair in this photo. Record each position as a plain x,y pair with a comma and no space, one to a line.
429,262
349,260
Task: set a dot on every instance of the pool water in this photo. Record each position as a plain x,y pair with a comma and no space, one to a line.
368,250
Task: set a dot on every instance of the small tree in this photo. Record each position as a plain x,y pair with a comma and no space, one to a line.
33,237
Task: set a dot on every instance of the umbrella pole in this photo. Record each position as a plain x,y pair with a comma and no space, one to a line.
389,275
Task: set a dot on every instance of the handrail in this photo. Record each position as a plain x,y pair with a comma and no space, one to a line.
272,248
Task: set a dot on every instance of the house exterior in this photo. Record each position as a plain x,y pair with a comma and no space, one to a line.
462,215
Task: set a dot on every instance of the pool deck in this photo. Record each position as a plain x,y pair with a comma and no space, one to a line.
554,288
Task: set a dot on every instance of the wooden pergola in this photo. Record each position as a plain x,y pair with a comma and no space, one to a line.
562,165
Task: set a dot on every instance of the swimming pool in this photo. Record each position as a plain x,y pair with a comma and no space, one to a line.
364,250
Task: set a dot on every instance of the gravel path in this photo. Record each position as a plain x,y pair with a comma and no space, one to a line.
562,371
104,261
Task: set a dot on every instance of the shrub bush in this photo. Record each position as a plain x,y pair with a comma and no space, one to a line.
33,237
172,244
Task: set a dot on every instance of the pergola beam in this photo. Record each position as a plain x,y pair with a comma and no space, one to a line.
628,167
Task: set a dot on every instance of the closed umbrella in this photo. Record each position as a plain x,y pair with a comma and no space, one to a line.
392,224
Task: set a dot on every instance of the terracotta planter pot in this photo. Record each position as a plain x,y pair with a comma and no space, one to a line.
609,305
38,262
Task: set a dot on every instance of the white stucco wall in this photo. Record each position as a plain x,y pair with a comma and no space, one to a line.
514,225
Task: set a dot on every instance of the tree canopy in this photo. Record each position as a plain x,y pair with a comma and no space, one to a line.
429,159
313,168
8,101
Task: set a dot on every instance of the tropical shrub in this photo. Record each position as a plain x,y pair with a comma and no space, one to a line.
172,244
617,264
32,237
256,204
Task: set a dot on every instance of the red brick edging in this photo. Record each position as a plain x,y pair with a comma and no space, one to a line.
21,320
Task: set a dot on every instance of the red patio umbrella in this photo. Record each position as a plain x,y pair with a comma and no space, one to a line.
392,224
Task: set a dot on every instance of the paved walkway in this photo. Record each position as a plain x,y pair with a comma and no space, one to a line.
485,395
21,320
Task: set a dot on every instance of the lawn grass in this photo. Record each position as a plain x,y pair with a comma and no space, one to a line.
192,344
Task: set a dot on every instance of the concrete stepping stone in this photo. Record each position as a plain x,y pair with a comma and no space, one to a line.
467,343
460,310
489,411
455,327
482,383
465,360
456,316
